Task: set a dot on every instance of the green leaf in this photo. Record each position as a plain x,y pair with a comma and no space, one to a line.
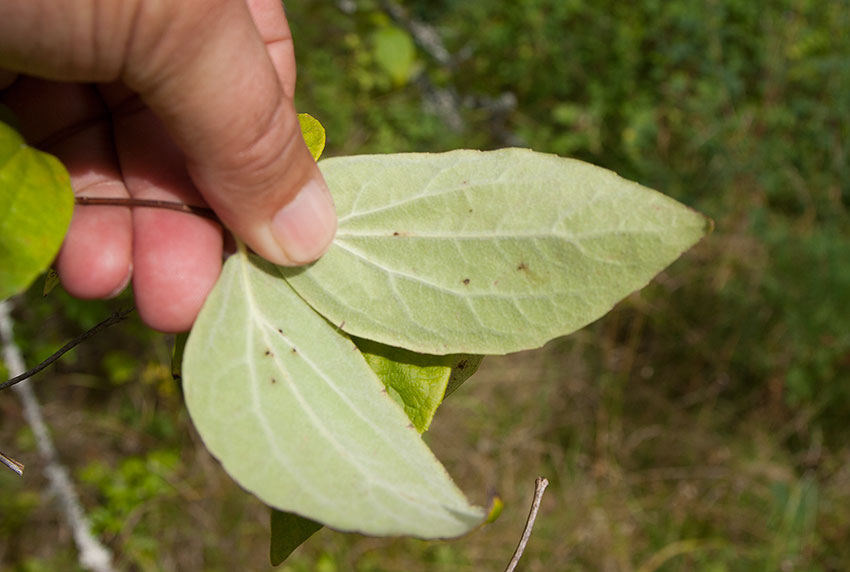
177,355
313,133
417,381
289,406
36,202
289,531
51,281
486,252
394,53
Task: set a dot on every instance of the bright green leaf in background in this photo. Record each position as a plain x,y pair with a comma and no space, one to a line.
394,53
486,252
313,133
289,406
418,382
36,203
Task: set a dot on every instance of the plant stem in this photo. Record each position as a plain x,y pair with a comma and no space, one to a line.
127,202
113,319
540,485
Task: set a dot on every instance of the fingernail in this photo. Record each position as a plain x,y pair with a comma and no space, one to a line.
306,226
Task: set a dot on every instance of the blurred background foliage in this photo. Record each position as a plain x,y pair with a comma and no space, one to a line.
699,426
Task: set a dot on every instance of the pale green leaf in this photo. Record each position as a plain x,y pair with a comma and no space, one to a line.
314,134
36,202
289,406
418,382
288,532
486,252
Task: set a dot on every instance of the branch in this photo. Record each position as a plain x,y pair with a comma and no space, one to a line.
113,319
93,555
16,466
540,485
125,202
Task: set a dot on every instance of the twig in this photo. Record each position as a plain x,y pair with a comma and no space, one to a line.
16,466
540,485
127,202
113,319
93,555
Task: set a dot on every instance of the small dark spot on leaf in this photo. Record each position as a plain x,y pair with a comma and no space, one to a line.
395,233
294,351
410,426
279,331
470,210
522,266
384,390
269,352
466,281
461,364
274,380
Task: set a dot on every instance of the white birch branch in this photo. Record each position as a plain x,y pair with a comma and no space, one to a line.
93,555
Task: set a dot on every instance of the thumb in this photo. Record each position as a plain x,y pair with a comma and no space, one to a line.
226,98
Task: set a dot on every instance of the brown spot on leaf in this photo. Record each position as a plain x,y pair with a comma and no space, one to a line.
269,353
522,266
395,233
294,351
274,380
466,281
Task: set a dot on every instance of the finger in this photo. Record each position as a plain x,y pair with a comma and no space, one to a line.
211,79
176,256
68,121
270,21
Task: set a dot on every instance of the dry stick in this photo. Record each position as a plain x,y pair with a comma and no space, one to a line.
113,319
125,202
93,555
540,485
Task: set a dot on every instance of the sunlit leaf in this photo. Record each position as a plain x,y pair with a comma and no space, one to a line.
289,406
418,382
36,202
486,252
313,133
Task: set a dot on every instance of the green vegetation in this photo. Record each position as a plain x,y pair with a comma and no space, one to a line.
700,426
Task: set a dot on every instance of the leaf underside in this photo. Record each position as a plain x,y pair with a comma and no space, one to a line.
289,406
485,252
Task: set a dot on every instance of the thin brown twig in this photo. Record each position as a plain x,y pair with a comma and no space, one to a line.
128,202
113,319
540,485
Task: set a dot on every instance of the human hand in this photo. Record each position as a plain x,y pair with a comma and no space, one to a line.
193,102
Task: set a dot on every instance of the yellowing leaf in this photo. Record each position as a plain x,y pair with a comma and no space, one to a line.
36,202
313,133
